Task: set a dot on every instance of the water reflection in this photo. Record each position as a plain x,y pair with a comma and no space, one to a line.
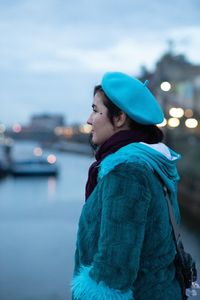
52,185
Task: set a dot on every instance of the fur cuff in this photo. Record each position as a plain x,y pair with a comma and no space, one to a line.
85,288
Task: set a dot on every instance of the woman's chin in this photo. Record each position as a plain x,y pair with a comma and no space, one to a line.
94,140
92,144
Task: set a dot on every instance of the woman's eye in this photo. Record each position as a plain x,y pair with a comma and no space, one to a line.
94,110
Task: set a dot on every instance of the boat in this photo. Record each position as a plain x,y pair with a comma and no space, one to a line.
3,169
33,167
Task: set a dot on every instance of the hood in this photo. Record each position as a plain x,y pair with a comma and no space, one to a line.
158,157
163,149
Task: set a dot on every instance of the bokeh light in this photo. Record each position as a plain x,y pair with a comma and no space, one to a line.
51,158
165,86
177,112
173,122
191,123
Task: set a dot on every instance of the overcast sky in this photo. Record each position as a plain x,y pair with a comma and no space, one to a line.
52,52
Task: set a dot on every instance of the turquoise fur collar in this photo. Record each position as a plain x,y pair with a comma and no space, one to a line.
142,154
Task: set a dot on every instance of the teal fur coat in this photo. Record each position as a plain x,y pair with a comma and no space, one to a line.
125,248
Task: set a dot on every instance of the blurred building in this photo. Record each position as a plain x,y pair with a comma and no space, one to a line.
49,129
47,121
40,128
175,82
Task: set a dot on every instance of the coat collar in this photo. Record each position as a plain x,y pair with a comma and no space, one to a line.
141,153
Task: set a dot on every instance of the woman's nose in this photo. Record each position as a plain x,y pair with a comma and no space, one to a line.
89,120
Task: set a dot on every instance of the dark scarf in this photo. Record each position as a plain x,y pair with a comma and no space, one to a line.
114,143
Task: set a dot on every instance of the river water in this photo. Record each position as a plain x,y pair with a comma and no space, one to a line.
38,223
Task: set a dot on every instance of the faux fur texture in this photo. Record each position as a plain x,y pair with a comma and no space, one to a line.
123,155
144,155
85,288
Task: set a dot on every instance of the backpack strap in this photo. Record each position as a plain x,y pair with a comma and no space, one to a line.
175,226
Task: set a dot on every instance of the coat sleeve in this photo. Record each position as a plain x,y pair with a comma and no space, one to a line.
125,197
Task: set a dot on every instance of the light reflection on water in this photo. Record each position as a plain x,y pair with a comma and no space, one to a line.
38,223
52,187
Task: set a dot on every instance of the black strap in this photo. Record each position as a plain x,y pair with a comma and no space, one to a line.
175,227
177,239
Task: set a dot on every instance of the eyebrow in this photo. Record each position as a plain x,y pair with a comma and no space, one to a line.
94,106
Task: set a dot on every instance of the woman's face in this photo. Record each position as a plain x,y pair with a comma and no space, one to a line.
102,128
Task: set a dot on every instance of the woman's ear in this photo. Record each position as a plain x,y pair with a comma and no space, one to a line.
120,120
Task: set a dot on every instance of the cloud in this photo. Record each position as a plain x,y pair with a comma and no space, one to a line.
126,55
56,36
56,49
186,40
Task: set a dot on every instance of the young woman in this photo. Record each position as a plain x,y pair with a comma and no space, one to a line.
125,247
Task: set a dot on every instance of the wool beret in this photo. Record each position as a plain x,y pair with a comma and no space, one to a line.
133,97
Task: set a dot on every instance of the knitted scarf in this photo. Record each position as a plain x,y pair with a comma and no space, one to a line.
114,143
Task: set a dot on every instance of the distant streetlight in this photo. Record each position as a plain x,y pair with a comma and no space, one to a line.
176,112
86,128
191,123
165,86
68,132
37,151
17,128
59,130
51,159
188,113
173,122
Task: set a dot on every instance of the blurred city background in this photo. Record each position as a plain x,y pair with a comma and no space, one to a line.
52,53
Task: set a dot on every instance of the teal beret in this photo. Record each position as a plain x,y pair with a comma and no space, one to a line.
133,97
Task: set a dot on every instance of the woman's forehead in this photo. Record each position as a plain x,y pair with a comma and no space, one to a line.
98,100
